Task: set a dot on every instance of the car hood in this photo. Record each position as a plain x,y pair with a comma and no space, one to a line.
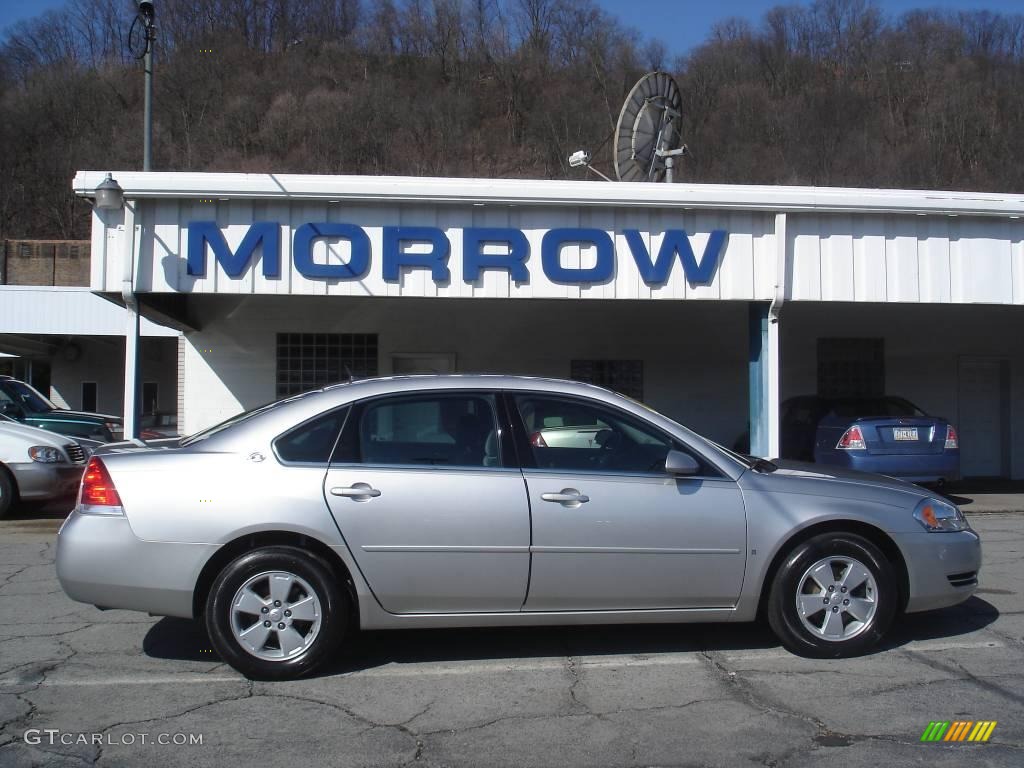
14,433
803,477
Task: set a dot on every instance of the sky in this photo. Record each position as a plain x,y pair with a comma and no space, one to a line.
680,24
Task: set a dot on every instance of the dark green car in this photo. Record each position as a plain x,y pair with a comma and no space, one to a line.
22,402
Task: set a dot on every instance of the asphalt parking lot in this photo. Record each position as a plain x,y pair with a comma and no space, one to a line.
81,686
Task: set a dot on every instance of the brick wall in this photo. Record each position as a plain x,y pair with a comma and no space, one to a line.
44,262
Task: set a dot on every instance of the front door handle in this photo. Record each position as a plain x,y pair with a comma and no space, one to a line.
357,491
569,497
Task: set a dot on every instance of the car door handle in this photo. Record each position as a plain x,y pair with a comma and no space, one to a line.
359,492
567,496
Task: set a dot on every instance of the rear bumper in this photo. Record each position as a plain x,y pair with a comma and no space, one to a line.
932,558
41,482
101,561
917,468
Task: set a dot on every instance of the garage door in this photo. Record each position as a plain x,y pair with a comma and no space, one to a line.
984,388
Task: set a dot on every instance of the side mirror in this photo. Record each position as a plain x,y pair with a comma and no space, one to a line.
681,464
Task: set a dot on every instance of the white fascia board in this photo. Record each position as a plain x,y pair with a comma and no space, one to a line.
230,186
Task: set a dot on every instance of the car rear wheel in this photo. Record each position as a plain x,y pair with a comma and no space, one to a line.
6,492
834,595
277,613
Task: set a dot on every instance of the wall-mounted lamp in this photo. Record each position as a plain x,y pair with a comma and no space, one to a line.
109,195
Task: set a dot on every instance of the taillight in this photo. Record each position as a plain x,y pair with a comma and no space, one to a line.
537,440
952,441
852,440
98,490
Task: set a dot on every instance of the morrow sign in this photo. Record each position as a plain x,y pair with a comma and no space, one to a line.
266,235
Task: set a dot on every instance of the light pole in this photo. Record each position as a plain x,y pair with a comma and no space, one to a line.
141,38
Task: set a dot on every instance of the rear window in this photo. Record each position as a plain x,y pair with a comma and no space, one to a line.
862,408
313,441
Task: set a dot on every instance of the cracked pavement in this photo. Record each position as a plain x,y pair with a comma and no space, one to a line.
694,695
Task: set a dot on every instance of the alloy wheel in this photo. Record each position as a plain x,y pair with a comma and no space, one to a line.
275,615
836,598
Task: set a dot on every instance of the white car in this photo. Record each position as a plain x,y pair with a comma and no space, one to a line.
37,465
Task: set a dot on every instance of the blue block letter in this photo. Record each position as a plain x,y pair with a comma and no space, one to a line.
474,260
357,264
202,232
395,258
551,247
676,242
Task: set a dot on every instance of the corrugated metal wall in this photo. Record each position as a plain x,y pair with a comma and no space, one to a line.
833,257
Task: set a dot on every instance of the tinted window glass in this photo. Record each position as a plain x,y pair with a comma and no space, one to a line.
573,435
443,430
312,441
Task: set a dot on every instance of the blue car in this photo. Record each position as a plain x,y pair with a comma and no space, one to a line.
886,435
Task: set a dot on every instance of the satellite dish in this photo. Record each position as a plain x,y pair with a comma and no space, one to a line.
648,135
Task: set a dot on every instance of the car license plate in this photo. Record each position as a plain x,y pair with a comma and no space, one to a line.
904,433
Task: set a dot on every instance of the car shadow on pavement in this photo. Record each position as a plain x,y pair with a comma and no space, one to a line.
180,639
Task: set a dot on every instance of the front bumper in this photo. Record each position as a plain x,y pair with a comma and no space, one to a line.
101,561
41,482
932,558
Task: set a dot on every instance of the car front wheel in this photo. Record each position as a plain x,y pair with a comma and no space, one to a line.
834,595
276,613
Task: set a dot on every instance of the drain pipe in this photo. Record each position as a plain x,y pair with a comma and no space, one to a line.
131,331
774,351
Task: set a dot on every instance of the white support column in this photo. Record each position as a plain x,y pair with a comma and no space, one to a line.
773,353
131,331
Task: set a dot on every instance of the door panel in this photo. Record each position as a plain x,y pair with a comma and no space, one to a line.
419,492
637,542
437,540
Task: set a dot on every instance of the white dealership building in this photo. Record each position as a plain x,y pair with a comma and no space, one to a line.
714,304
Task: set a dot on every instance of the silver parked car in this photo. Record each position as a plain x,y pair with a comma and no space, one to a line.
37,465
429,501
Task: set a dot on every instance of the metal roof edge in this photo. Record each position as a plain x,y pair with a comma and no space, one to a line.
173,185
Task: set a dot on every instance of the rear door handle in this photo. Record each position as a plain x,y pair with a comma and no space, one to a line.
570,497
357,491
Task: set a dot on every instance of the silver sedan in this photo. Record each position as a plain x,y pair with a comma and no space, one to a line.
457,501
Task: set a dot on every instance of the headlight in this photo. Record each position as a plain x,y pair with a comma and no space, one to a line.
45,455
937,515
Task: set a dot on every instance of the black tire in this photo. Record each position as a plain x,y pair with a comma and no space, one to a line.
785,618
330,592
8,493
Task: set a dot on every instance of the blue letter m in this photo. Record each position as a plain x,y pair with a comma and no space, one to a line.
676,242
202,232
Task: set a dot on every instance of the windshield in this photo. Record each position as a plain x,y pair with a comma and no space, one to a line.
25,396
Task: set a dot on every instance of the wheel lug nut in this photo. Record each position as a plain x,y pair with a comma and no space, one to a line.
266,623
835,609
846,602
264,609
277,603
843,589
831,588
280,625
826,601
287,613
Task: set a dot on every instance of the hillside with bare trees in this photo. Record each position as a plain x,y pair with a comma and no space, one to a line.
830,93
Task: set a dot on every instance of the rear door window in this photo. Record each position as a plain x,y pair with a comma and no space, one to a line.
444,430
